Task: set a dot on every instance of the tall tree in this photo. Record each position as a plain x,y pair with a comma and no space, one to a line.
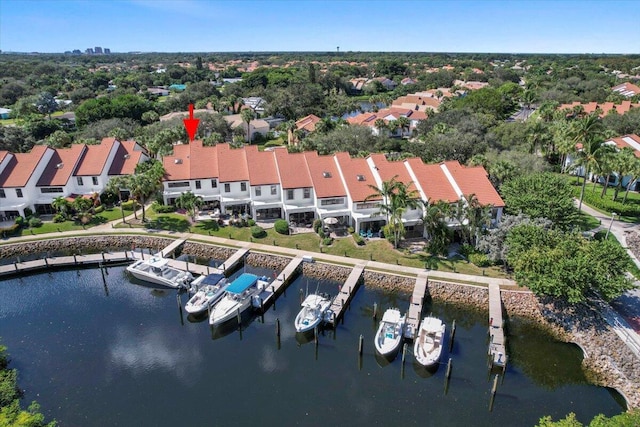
189,202
435,224
588,132
247,116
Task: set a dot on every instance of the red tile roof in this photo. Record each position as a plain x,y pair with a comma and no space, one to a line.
388,170
351,169
292,169
126,159
324,175
232,164
95,158
369,118
177,166
191,161
606,107
474,180
308,123
62,164
21,167
632,141
262,166
433,181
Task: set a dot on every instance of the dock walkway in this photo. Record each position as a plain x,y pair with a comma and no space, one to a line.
497,340
65,261
172,247
341,301
415,306
280,282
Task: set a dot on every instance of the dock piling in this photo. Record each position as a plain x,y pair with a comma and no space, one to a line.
360,344
238,315
278,327
375,311
493,392
453,334
404,352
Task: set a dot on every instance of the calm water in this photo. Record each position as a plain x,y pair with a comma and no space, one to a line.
121,354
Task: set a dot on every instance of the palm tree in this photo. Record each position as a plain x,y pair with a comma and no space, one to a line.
115,185
563,141
289,127
189,202
624,164
403,123
82,207
141,186
588,131
385,193
634,174
435,224
380,125
247,116
61,205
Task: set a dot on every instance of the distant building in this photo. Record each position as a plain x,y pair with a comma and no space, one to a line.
97,50
76,52
89,51
627,89
107,51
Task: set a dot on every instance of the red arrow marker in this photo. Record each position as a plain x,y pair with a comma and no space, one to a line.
191,124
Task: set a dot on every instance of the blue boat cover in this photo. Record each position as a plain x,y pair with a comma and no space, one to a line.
212,279
242,283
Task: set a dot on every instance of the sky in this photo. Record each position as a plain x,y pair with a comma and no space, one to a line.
504,26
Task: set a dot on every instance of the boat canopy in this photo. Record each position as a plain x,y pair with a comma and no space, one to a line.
157,262
432,324
391,316
212,279
242,283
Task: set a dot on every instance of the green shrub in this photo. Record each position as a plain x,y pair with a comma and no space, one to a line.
466,250
606,204
10,231
28,212
35,222
20,221
160,208
327,241
358,239
281,226
479,259
251,222
59,218
257,232
321,234
98,209
129,205
213,225
317,226
351,230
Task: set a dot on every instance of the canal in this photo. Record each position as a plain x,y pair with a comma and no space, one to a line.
116,352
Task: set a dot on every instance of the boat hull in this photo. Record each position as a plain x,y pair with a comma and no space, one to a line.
427,348
151,278
225,311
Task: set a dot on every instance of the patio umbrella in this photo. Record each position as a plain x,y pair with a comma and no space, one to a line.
331,221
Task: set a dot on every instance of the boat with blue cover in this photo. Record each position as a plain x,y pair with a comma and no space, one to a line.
239,295
208,288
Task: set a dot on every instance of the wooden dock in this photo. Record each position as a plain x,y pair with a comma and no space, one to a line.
281,281
497,341
348,289
415,306
233,260
105,258
172,247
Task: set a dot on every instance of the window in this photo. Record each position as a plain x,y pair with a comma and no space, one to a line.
369,205
49,190
334,201
258,191
307,193
198,185
214,183
79,179
289,194
2,195
227,188
243,186
178,184
95,180
274,190
18,192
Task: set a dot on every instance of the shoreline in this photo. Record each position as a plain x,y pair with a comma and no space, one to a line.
605,361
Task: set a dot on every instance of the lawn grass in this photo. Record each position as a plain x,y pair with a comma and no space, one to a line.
373,250
595,190
586,222
103,217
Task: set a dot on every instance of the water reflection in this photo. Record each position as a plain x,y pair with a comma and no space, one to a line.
148,351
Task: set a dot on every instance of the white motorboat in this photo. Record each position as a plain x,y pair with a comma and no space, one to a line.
239,296
157,270
428,344
390,332
209,288
315,309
